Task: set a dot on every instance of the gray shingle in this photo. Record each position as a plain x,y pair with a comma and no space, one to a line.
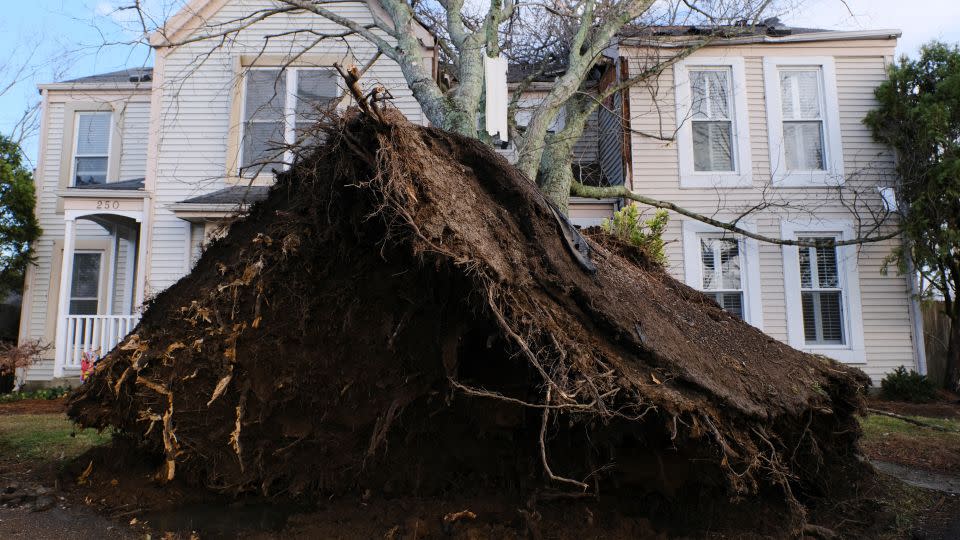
123,185
116,77
231,195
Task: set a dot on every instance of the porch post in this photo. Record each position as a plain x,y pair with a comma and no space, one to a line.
142,239
63,305
112,267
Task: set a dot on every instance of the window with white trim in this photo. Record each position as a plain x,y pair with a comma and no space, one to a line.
713,135
720,271
802,116
803,121
91,152
85,283
725,267
822,290
821,293
279,108
712,118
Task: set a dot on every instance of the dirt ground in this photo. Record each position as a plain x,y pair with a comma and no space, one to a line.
119,498
33,406
895,441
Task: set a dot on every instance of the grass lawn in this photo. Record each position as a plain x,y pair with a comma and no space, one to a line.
44,437
890,439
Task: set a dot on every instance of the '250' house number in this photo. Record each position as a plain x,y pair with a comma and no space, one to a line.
106,204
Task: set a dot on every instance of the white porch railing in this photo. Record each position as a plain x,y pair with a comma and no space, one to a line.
95,335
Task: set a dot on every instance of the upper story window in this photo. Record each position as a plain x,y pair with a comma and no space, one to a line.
822,290
725,267
713,140
803,121
279,107
712,119
802,108
91,156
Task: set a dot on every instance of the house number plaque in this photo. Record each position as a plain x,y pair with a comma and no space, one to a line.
106,204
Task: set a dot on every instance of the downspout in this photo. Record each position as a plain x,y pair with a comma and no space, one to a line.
916,318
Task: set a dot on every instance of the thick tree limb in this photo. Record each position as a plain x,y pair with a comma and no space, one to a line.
592,192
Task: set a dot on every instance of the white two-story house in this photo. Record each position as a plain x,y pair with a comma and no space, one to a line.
137,168
764,126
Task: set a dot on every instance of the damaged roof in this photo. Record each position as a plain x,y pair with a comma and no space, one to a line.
132,75
231,195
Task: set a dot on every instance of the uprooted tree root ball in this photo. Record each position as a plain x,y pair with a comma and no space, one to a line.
406,314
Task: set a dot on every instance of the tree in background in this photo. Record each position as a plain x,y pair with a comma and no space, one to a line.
18,224
919,116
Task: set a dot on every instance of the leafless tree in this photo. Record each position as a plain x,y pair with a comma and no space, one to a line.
565,38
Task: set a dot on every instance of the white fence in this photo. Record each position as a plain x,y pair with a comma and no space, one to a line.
95,335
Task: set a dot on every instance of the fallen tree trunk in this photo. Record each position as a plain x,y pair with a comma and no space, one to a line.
404,313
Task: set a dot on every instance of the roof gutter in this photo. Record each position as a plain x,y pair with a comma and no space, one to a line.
684,41
144,86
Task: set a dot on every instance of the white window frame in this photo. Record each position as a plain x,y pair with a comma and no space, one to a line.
742,175
833,174
76,144
100,284
289,111
749,264
853,351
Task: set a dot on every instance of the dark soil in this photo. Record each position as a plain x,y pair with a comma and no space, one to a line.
947,406
405,317
34,406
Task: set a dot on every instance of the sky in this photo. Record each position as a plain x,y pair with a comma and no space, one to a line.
63,39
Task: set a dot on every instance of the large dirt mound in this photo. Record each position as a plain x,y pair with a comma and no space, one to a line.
404,314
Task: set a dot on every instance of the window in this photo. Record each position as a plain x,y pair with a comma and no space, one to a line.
279,106
822,290
725,267
803,121
85,286
713,140
720,258
820,293
712,120
92,148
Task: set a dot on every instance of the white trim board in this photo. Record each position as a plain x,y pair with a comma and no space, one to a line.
832,144
750,265
854,350
741,176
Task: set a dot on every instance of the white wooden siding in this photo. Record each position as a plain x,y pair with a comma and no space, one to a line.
133,112
196,112
860,67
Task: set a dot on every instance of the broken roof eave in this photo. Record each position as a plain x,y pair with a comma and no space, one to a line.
200,213
182,23
144,86
685,41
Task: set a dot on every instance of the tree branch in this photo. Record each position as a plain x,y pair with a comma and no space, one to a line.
592,192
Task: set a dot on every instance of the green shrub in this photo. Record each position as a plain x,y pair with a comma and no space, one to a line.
41,393
903,385
627,225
